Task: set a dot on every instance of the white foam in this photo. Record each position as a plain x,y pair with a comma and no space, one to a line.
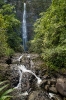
23,69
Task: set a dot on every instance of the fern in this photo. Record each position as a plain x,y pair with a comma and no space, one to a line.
4,95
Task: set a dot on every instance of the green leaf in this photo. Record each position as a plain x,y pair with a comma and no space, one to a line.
5,97
3,82
7,92
3,87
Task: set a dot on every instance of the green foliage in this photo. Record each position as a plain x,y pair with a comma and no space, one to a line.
4,92
1,2
55,57
13,25
7,9
9,30
50,34
9,52
3,38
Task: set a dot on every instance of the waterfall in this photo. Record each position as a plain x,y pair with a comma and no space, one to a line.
23,69
24,29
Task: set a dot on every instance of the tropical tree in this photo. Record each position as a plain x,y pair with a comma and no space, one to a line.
12,25
3,39
50,35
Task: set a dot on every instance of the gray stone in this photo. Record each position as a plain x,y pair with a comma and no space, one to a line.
53,89
47,87
48,82
53,81
61,86
43,83
38,95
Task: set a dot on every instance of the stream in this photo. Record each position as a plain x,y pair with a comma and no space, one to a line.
29,84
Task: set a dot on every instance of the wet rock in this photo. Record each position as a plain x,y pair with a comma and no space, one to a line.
25,85
53,81
46,77
11,74
49,82
3,66
3,69
52,89
43,83
3,59
54,96
61,86
38,95
9,60
47,87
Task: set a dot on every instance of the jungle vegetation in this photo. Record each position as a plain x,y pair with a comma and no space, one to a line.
10,40
50,35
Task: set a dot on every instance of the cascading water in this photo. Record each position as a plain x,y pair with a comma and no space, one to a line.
24,29
23,69
19,84
27,82
19,58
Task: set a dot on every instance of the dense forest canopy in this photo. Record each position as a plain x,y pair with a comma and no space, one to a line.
9,30
50,35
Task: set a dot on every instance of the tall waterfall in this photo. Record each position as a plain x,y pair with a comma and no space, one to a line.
24,29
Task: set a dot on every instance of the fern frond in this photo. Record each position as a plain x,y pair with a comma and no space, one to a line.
7,92
5,97
1,83
3,87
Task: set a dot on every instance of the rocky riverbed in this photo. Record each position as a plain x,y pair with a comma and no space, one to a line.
52,86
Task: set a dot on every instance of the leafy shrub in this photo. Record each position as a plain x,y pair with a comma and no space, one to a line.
50,35
55,57
9,52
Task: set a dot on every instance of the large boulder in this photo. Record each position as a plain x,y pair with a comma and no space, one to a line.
61,86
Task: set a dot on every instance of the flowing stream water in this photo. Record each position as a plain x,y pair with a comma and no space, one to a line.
24,70
21,70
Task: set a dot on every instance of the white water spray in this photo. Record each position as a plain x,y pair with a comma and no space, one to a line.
23,69
24,28
19,58
20,78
